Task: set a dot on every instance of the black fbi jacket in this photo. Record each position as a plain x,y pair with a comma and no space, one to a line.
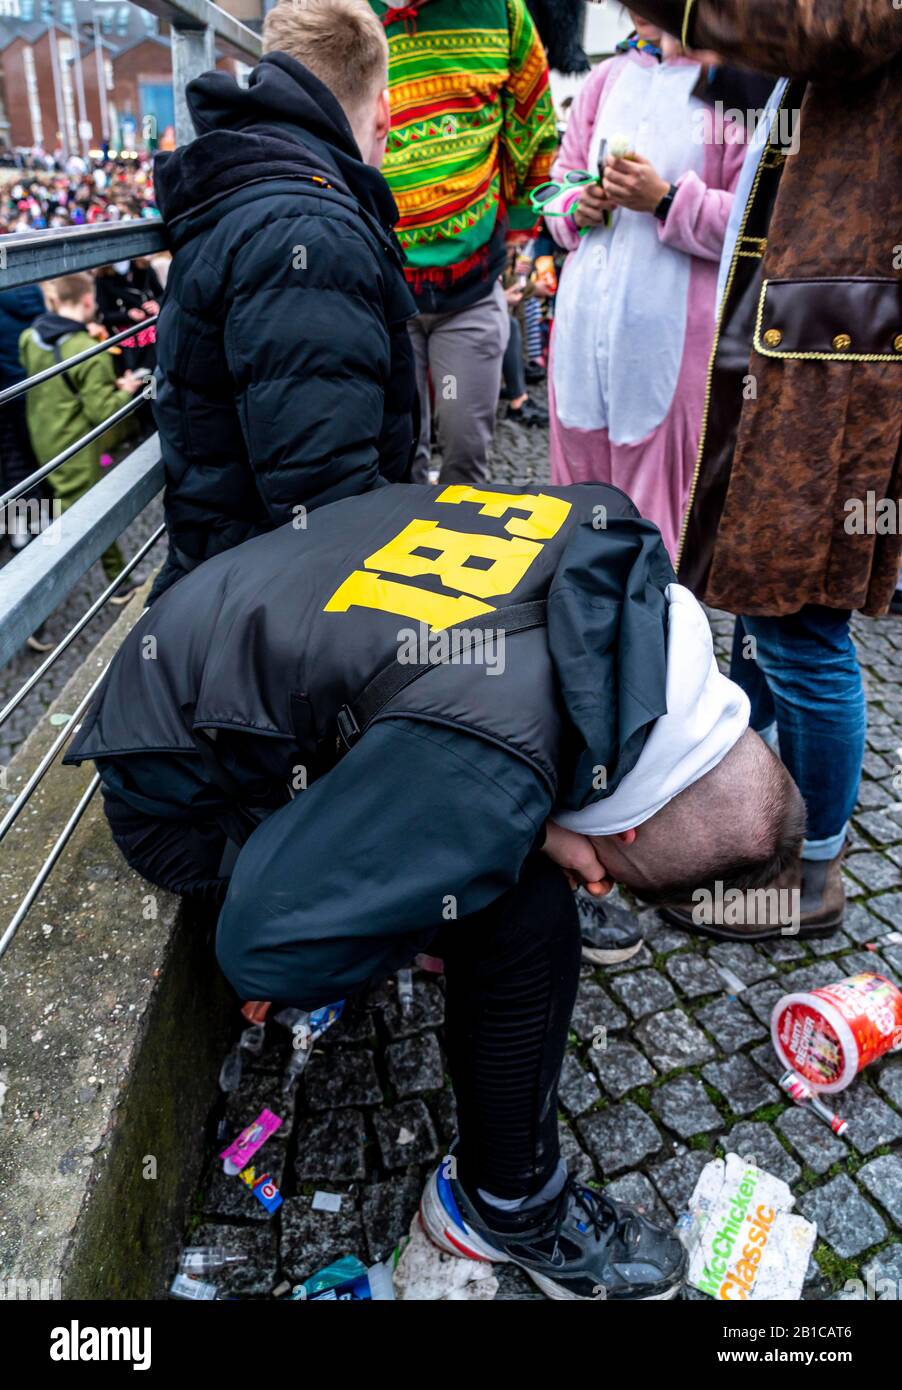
431,814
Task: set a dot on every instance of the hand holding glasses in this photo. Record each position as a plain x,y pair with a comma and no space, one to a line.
546,193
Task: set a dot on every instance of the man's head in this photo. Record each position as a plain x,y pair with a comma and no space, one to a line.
741,825
343,44
73,296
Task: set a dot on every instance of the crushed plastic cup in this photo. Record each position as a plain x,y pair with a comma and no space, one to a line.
251,1041
828,1035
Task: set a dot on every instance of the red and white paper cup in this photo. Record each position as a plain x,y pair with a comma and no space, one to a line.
829,1035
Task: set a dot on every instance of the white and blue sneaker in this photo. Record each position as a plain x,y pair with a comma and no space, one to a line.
582,1245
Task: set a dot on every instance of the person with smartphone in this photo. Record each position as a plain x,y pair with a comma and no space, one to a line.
634,316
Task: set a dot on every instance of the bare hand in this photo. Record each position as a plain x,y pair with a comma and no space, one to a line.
576,856
591,206
634,183
513,295
130,382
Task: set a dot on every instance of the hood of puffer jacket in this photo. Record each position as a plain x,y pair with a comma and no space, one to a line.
50,328
286,123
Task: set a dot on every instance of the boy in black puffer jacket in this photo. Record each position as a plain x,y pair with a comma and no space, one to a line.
285,377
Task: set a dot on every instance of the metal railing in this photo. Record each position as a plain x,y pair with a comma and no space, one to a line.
38,579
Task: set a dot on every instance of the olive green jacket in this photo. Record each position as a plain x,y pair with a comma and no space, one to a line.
63,409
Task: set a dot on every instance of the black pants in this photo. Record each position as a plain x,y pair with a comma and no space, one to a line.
513,368
511,972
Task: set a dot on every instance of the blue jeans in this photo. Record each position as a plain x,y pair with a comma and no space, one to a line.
802,674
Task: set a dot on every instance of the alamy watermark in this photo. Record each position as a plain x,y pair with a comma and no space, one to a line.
740,907
728,125
872,1289
453,646
32,516
872,516
15,1290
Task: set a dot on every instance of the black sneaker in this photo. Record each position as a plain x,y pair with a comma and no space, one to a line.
535,373
528,414
124,596
580,1246
609,932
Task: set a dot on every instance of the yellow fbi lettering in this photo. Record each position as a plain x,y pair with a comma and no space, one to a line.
451,560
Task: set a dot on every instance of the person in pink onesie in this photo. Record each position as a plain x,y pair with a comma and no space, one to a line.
635,313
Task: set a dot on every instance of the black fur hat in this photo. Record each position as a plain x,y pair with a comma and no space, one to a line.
560,25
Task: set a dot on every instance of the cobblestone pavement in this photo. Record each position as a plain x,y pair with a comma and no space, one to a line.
687,1071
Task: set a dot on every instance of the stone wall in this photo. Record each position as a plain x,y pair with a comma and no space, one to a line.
112,1028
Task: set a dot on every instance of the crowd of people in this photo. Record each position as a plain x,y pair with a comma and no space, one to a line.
726,338
45,191
39,325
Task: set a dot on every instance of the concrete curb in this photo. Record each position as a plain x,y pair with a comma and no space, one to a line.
112,1026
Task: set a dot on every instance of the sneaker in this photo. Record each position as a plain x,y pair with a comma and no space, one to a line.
535,372
39,641
528,414
609,932
119,599
582,1245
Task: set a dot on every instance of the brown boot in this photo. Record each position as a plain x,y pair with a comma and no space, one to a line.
821,905
823,894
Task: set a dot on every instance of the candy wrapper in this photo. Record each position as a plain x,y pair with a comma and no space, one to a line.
744,1245
263,1188
239,1153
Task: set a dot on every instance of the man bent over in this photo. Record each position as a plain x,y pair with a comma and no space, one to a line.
319,704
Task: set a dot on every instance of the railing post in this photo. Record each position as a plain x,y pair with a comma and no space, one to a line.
193,52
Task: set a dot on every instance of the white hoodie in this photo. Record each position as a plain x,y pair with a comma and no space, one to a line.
706,716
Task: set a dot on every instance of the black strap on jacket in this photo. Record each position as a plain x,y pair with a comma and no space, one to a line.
58,357
354,719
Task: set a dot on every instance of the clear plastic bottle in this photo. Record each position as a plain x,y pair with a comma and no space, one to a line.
230,1071
306,1027
209,1259
405,992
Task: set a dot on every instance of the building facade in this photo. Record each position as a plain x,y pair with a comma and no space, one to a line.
77,75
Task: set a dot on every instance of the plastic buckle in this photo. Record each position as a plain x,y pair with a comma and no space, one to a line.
348,728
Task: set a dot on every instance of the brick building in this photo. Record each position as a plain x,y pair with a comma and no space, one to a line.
78,73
